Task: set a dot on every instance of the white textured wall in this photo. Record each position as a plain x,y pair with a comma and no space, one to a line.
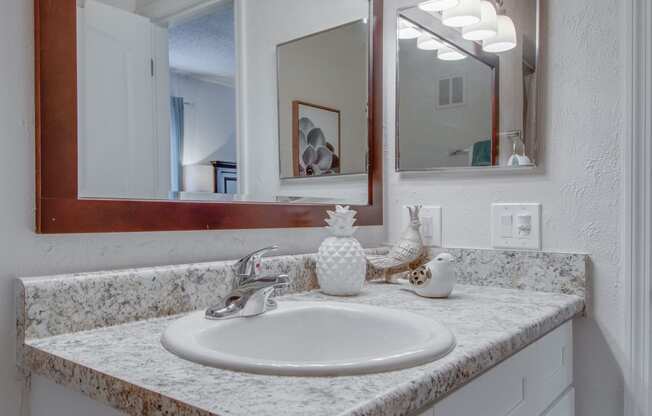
22,253
580,186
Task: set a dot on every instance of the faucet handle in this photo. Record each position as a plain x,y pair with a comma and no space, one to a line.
249,266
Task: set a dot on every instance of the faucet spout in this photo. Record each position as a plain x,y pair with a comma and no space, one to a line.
252,298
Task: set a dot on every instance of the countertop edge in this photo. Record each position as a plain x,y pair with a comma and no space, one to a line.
126,397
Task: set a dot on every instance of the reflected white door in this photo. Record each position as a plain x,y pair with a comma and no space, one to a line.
118,146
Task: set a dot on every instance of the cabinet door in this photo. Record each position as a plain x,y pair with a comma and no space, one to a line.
565,406
552,370
500,392
50,399
525,385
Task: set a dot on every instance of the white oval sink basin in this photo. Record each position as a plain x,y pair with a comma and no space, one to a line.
311,339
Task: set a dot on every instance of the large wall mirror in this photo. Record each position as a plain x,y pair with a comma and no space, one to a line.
467,85
202,114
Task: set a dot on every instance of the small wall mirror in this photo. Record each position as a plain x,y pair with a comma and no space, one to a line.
322,102
467,85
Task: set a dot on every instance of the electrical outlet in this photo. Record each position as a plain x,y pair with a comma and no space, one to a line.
431,225
516,226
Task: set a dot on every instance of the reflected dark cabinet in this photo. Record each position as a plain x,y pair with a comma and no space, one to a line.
226,177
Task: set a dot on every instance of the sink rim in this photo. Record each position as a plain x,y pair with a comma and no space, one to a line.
181,339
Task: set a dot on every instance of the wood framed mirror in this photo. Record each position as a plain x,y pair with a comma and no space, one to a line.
63,207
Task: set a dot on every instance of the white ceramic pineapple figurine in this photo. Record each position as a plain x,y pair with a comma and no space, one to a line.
341,262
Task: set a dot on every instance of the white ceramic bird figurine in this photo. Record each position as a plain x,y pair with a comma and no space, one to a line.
407,250
436,279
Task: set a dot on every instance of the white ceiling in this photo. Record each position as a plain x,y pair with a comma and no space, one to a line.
205,45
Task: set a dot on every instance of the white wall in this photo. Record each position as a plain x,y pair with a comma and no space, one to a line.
209,120
580,186
23,253
128,5
262,25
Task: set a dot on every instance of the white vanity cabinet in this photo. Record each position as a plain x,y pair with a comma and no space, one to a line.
537,381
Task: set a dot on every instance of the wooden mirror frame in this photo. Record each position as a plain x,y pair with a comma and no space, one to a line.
60,210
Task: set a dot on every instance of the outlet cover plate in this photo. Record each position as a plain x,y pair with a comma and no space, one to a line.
522,215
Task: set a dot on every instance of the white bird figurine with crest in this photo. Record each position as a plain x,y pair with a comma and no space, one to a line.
408,249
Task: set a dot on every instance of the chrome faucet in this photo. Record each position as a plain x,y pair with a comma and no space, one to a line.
251,293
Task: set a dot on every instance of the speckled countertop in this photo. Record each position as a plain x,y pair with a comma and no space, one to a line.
126,367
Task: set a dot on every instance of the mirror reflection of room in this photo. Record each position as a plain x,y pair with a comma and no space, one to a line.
198,100
157,101
458,115
466,84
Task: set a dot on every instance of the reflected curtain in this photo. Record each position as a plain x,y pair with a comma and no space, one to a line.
176,134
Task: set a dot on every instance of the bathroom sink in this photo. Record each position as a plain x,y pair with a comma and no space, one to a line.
311,339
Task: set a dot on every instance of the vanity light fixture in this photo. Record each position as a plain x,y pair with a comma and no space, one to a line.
434,6
449,54
488,26
407,30
468,12
428,43
505,40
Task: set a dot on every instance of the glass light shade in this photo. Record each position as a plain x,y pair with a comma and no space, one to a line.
438,5
449,54
488,26
428,43
504,40
407,30
468,12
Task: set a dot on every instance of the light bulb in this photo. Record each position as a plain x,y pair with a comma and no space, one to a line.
438,5
468,12
504,40
407,30
488,26
449,54
428,43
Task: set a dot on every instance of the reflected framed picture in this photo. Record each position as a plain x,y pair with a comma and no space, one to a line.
316,139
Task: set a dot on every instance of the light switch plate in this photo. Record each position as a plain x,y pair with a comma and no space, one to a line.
525,223
431,225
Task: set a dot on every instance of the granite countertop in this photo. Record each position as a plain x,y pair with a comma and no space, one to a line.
126,367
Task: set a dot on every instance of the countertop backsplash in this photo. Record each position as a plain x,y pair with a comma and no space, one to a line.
564,273
48,306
